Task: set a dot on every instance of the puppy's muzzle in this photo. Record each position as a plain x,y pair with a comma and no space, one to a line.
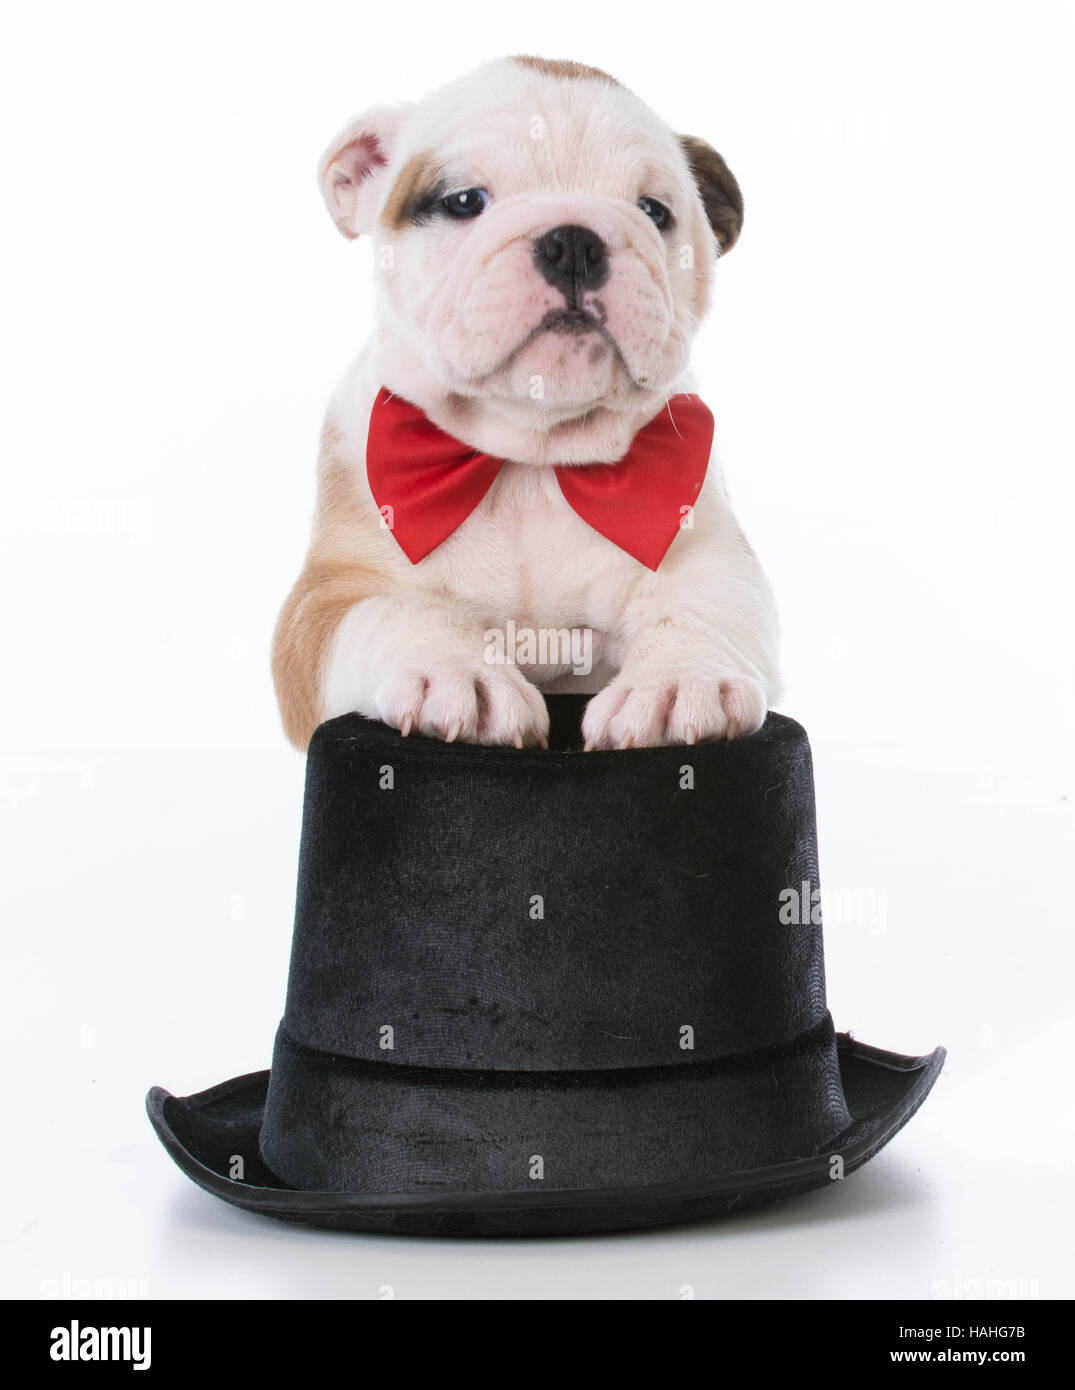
573,260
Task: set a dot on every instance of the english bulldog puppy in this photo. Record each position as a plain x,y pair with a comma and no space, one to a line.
519,447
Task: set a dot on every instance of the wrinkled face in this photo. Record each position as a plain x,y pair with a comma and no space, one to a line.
542,238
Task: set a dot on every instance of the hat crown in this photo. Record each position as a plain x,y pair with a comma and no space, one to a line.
478,908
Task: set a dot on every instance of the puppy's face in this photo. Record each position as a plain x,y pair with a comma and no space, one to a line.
543,241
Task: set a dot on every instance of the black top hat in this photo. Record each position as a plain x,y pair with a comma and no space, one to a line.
548,991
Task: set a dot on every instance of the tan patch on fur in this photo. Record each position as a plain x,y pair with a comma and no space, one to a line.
338,573
563,67
417,176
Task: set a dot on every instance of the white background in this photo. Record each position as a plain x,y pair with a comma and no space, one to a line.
890,364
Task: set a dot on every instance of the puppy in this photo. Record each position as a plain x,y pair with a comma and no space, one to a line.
518,450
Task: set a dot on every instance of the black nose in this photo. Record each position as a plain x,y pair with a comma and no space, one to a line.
572,259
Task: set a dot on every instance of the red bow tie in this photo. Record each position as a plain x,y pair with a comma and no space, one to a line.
431,482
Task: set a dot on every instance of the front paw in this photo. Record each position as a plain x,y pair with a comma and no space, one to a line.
451,700
640,710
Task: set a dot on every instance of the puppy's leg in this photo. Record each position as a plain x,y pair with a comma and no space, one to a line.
699,660
319,600
410,660
415,661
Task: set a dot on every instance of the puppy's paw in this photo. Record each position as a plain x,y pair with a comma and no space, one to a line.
637,710
453,701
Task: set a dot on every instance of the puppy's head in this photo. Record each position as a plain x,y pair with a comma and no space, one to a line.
544,242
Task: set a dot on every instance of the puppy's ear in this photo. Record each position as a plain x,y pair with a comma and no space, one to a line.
721,197
352,169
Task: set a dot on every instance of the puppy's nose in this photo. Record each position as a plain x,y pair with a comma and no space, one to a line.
572,259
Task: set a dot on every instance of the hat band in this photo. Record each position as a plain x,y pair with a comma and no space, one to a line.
351,1125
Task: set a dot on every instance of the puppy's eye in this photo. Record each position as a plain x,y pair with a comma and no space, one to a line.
657,212
468,202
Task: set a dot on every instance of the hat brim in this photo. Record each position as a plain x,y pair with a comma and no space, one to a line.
201,1132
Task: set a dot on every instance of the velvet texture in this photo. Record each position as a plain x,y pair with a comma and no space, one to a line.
533,932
